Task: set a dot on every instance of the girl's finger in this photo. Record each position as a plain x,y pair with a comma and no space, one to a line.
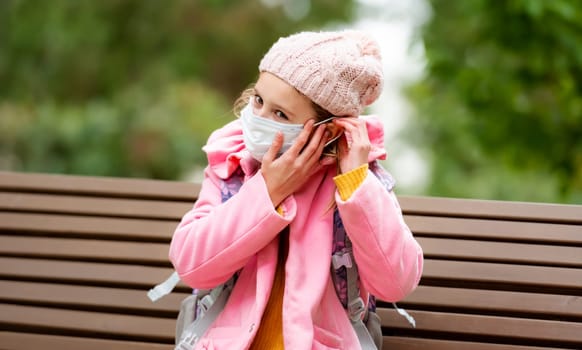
343,145
315,144
271,154
348,124
314,157
302,139
354,128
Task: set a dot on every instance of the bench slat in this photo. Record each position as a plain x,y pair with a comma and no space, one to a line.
85,249
88,297
107,325
464,207
507,252
495,230
99,186
88,249
517,275
83,273
88,226
528,331
421,226
404,343
453,271
492,301
80,205
19,341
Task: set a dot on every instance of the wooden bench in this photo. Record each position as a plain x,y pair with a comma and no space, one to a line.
77,255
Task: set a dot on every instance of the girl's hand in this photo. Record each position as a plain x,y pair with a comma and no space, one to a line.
286,174
354,147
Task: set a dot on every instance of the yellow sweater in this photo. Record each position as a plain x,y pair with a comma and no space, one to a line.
270,333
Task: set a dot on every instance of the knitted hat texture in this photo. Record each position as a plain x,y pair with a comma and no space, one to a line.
341,71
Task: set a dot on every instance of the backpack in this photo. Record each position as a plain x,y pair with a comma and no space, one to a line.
199,310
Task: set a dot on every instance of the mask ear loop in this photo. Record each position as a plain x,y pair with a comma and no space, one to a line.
334,139
325,121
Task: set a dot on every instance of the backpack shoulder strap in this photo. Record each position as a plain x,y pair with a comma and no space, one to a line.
215,302
346,277
356,306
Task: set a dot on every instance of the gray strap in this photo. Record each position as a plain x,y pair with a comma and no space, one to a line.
356,306
364,336
196,329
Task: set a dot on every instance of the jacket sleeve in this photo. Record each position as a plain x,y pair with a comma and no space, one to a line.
389,258
215,239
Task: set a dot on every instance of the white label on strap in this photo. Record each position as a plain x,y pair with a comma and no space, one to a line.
405,314
164,288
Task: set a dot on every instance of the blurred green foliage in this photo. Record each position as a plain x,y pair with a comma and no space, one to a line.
134,87
130,87
499,111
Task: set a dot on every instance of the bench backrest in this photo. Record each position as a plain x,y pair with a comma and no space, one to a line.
495,273
77,255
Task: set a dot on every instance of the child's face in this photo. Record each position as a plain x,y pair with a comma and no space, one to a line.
276,100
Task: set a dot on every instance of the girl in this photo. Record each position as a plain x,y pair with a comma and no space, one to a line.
301,150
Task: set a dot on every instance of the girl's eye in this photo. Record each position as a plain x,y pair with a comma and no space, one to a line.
258,100
281,115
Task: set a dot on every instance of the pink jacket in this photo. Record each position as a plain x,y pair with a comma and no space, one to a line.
215,239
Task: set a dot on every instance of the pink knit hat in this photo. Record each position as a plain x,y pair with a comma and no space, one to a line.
340,71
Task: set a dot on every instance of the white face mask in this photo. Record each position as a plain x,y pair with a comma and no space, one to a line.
259,133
